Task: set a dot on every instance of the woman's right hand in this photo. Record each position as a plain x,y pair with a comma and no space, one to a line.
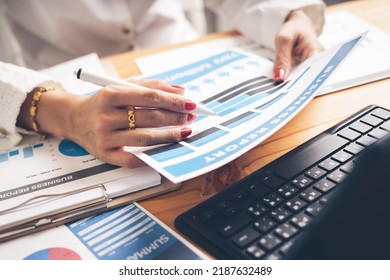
99,123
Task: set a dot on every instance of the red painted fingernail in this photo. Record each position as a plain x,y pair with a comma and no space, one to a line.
191,117
279,74
178,87
189,105
185,132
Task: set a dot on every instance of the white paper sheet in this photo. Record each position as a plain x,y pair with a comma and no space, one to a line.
249,106
370,61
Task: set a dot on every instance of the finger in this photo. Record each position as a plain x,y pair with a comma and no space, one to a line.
284,45
314,48
159,118
308,48
119,96
146,137
122,158
159,84
118,119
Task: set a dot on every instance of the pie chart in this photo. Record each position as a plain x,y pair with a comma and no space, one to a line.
71,149
56,253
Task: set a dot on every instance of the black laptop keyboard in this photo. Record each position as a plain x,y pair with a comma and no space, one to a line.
260,216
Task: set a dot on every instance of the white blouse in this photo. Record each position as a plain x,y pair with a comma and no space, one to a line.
42,33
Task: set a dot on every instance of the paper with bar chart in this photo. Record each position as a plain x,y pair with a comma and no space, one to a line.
249,106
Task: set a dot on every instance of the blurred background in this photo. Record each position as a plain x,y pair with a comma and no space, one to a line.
205,21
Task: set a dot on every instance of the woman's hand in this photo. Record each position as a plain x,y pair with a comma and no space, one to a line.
99,123
295,41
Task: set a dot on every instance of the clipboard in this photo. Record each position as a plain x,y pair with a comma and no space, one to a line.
98,202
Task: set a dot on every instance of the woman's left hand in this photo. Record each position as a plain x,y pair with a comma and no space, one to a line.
295,41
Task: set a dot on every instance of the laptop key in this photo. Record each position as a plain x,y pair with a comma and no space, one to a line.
280,214
347,167
314,209
315,173
360,127
378,133
273,199
231,226
301,161
287,190
349,134
325,198
258,191
286,247
301,220
337,176
295,204
256,210
341,156
371,120
354,148
264,224
310,194
366,140
386,126
382,114
269,242
286,231
245,237
329,164
324,185
302,181
255,252
270,180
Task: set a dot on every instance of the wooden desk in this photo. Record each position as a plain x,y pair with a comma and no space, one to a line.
320,114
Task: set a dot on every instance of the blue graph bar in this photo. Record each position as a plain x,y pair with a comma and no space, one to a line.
168,152
242,104
28,152
38,145
252,99
13,153
266,105
256,87
231,102
234,88
3,157
240,119
226,112
213,104
204,139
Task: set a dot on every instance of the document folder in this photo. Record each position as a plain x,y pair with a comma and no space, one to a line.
45,211
53,181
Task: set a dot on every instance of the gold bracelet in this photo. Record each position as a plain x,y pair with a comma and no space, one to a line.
33,109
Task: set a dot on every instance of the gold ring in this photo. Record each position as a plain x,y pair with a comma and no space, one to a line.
131,117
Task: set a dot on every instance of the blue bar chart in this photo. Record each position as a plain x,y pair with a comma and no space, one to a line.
25,152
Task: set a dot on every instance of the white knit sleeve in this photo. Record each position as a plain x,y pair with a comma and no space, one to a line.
15,83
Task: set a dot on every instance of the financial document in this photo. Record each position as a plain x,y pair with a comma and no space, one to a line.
126,233
249,106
